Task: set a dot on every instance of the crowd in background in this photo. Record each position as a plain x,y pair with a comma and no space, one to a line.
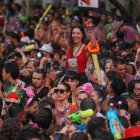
49,86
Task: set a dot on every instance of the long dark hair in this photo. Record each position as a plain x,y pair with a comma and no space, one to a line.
81,28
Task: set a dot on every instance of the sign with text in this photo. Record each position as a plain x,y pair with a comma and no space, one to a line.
88,3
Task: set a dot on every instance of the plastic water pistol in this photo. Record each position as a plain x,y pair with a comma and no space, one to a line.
72,108
114,123
80,116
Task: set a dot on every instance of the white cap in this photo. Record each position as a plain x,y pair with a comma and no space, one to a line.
47,48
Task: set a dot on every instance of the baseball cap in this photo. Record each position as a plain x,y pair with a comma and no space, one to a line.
87,88
47,48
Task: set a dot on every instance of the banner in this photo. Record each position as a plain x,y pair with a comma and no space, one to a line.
88,3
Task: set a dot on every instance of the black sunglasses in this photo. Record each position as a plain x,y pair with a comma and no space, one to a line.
61,91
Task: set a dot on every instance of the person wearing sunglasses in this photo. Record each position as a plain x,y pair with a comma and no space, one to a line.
62,103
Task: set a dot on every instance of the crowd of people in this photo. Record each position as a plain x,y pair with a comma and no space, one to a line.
49,84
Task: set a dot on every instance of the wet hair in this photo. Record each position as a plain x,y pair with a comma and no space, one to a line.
14,110
28,134
115,101
135,116
118,86
88,103
71,74
95,123
119,62
101,134
41,71
79,136
68,88
14,55
12,68
10,129
34,131
14,36
60,136
46,101
81,28
18,55
111,75
131,85
124,121
44,118
100,93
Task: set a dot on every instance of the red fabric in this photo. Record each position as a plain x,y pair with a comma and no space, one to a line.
13,95
81,59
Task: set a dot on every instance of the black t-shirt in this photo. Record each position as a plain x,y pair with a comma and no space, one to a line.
44,92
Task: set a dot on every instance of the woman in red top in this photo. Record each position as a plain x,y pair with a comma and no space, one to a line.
77,53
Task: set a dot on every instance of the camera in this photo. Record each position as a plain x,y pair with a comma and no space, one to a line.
48,66
40,55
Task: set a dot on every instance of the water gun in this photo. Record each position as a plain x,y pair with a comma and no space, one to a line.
72,108
93,51
80,116
44,14
114,123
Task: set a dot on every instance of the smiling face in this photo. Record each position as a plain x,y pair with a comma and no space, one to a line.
73,82
77,35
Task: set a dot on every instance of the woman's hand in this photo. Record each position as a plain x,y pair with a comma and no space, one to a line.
42,61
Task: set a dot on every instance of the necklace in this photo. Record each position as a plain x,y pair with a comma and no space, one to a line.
77,50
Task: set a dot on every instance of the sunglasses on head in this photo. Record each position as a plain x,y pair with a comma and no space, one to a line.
59,91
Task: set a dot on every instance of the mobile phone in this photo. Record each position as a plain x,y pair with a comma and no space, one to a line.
48,66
